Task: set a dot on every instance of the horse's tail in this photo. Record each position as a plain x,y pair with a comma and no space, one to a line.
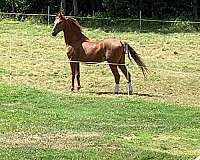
130,51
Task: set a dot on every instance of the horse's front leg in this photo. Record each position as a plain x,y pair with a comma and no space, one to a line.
72,65
78,76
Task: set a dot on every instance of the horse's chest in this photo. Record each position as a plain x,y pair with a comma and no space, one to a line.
70,52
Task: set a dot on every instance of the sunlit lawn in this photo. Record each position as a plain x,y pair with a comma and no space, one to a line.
42,119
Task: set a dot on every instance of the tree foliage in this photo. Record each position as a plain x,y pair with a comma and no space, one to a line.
160,9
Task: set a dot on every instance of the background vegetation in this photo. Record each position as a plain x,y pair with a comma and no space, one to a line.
163,9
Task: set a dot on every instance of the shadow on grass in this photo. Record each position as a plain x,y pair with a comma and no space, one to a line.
125,93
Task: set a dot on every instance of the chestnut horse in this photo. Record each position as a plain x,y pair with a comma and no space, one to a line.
81,49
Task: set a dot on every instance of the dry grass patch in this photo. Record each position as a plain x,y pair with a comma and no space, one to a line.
172,138
50,140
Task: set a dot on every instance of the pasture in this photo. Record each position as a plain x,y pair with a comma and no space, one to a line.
41,118
38,60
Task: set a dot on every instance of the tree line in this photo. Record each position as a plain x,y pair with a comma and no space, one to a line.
156,9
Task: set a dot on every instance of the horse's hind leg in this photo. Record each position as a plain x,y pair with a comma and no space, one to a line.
128,77
117,77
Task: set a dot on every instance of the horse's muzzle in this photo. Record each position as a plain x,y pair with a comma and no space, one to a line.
54,34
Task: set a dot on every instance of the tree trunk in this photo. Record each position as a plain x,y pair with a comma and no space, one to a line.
99,4
195,9
13,6
75,5
93,7
63,6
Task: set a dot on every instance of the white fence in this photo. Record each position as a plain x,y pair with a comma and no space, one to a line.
140,20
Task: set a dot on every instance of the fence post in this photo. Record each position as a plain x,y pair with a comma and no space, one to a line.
61,5
10,61
140,20
48,15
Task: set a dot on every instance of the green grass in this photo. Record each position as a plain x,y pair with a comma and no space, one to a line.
39,124
41,119
173,60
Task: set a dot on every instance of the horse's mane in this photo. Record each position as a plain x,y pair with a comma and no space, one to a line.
74,22
69,19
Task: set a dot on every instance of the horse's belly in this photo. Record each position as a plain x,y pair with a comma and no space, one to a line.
93,52
94,58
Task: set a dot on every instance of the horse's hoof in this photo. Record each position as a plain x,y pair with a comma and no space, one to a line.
78,88
130,89
116,90
130,93
72,89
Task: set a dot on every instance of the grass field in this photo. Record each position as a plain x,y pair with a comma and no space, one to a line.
44,125
173,59
42,119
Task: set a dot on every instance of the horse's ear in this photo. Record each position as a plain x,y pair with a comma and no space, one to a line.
60,14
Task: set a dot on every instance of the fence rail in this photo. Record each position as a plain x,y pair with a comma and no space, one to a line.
140,19
183,73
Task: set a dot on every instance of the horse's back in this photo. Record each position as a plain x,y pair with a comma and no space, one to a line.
105,50
112,42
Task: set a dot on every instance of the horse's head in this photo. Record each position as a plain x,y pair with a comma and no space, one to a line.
58,24
70,27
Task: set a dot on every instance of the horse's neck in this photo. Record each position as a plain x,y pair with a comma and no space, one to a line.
74,38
